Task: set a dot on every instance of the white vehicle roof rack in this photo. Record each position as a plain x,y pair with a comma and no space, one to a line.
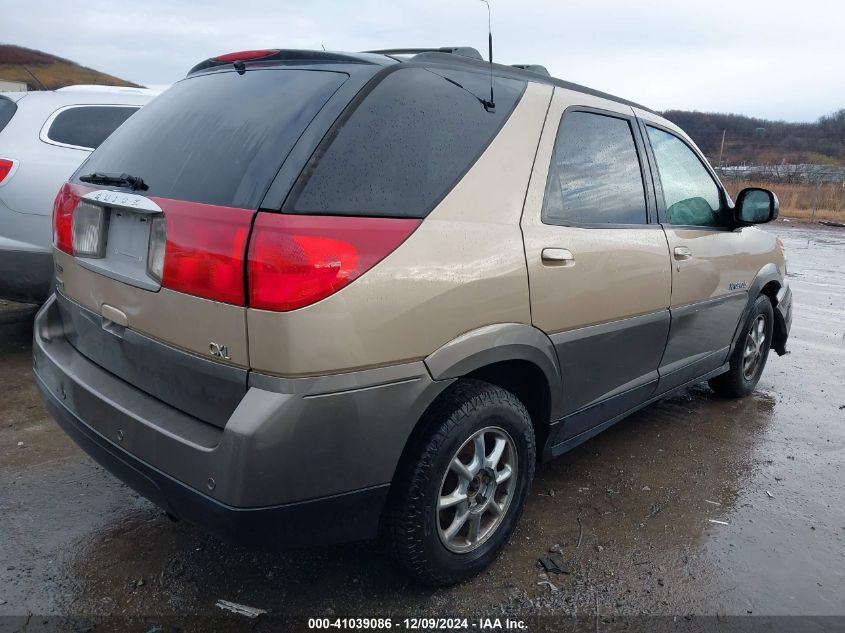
126,90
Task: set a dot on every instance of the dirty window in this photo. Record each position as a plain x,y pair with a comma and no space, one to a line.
406,145
594,175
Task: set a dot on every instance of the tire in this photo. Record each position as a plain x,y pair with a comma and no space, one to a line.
740,380
416,530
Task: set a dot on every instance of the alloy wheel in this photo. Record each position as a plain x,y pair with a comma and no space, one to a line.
477,490
755,347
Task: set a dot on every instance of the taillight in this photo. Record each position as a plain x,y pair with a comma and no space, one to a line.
5,168
204,251
89,225
290,261
296,260
63,207
156,247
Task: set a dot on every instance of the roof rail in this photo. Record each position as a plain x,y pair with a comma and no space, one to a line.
533,68
463,51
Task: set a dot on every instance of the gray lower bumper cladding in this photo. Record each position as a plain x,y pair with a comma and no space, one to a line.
300,461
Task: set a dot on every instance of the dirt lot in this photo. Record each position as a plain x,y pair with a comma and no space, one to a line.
696,505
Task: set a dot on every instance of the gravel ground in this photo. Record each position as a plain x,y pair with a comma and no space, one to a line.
695,506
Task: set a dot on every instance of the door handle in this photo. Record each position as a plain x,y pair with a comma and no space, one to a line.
682,252
559,256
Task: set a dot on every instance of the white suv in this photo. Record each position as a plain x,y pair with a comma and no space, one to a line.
44,136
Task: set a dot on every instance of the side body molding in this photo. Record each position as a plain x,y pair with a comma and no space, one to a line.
498,343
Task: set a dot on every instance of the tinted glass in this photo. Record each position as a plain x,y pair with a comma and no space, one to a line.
594,176
7,111
406,145
87,126
217,138
691,195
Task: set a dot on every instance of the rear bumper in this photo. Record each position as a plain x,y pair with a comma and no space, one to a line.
344,517
290,467
783,319
25,275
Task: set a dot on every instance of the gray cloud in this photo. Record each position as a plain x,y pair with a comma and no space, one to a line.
775,59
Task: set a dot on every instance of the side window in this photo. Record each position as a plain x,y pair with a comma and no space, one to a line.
406,144
87,126
691,195
7,111
594,176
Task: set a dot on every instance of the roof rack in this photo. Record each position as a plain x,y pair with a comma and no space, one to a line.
112,89
463,51
534,68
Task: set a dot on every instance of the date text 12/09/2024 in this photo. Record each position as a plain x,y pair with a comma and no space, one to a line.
423,624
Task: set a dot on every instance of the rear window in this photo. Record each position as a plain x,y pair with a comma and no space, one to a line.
87,126
405,145
7,111
217,138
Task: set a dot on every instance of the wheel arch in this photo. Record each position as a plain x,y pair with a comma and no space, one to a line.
768,281
514,356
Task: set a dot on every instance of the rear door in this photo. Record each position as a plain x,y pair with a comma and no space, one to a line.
598,269
709,276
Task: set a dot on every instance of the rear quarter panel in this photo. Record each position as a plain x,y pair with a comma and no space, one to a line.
463,268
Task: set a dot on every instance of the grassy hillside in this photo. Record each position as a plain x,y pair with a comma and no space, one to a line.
42,71
762,142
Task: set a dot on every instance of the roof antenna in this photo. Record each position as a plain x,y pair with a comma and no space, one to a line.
489,105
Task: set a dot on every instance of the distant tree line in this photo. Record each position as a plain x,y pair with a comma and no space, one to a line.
753,141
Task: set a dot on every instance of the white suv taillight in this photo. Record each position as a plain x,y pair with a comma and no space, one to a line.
6,167
90,224
155,251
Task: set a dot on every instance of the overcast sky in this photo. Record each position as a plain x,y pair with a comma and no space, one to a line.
780,59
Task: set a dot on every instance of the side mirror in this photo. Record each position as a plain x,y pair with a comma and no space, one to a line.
756,206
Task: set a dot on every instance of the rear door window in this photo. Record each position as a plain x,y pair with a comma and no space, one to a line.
594,175
7,111
217,138
86,127
405,145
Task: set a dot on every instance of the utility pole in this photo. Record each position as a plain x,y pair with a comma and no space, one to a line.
816,198
721,149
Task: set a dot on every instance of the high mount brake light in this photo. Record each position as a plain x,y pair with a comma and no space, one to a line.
245,56
297,260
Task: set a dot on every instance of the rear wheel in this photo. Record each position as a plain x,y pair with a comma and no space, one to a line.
749,357
460,489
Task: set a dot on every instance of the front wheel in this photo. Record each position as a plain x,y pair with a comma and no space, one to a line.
749,357
460,488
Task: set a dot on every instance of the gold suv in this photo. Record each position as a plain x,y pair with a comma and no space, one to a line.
306,297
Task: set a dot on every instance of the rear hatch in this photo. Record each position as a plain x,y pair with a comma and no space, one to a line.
152,231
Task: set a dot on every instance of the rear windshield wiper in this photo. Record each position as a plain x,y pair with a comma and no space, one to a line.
120,180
